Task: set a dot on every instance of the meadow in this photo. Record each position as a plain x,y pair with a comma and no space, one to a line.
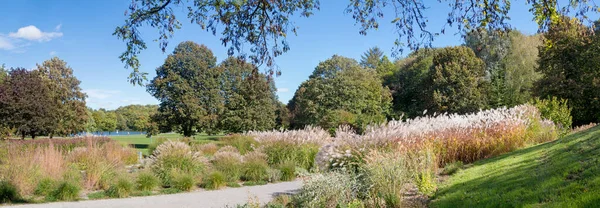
141,142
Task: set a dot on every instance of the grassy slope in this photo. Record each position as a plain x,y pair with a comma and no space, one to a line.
141,142
563,173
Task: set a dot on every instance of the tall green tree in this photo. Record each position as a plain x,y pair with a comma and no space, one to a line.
457,81
340,91
570,66
510,60
249,98
187,86
68,100
264,25
409,84
24,100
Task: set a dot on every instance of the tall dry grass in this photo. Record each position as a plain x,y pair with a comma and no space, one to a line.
26,163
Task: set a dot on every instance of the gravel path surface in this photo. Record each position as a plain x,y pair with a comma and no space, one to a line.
221,198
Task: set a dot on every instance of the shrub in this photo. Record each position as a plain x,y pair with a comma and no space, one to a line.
288,170
452,168
555,110
183,181
242,143
274,175
171,157
255,167
229,163
65,191
44,187
121,188
214,180
146,181
326,190
8,192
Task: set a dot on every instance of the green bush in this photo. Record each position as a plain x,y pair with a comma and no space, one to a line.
176,157
65,191
281,151
214,180
242,143
555,110
229,163
288,170
44,187
183,181
8,192
255,167
452,168
122,188
146,181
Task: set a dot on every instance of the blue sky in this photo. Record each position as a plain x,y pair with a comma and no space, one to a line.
80,32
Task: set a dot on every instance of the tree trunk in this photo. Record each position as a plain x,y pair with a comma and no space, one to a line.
23,135
32,135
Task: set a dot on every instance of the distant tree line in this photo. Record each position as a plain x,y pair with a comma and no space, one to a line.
124,118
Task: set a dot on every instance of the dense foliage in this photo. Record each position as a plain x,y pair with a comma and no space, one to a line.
187,87
569,64
340,91
196,95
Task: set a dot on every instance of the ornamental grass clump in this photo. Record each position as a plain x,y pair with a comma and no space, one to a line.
146,181
255,167
122,188
229,163
332,189
176,157
242,143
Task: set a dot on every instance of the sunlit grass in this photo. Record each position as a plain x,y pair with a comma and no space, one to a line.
563,173
141,142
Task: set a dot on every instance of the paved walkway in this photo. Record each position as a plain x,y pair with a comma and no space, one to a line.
221,198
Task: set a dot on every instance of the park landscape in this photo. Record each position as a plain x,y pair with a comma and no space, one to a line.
503,119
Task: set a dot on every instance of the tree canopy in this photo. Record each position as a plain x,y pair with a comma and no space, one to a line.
68,101
340,91
250,101
264,25
570,67
188,90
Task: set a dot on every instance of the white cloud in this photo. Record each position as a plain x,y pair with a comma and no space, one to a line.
52,53
57,28
98,94
5,44
33,33
283,90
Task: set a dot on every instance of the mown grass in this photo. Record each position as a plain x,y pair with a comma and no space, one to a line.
562,173
141,142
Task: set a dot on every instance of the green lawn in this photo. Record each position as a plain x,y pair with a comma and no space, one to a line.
141,142
563,173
